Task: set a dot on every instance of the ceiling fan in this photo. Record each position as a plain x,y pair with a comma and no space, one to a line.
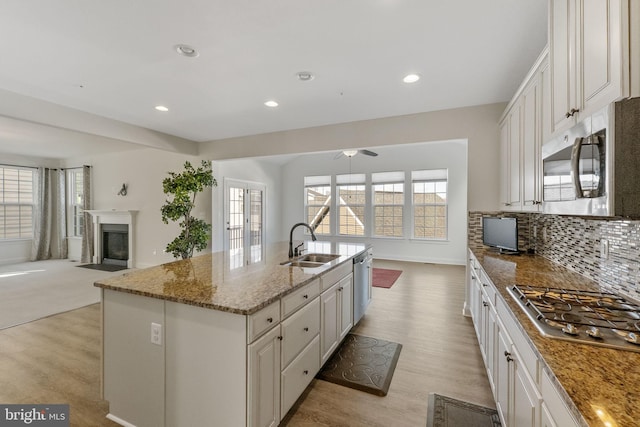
351,153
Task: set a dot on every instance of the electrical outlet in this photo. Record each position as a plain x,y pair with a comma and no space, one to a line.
156,333
604,249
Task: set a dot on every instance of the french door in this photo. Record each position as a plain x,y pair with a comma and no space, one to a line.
244,222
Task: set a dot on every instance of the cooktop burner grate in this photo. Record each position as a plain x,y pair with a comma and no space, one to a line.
590,317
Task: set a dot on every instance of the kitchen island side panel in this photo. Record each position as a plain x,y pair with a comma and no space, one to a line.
206,367
133,366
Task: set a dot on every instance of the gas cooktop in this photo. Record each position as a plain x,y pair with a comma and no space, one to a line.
596,318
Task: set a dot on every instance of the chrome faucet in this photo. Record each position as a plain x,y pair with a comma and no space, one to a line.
313,236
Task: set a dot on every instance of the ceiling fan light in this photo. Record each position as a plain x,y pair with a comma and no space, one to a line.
350,153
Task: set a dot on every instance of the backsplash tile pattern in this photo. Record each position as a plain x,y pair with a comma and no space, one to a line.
574,242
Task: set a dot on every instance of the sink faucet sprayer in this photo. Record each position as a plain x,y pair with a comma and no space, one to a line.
313,236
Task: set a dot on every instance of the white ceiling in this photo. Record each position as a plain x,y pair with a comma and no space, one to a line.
116,59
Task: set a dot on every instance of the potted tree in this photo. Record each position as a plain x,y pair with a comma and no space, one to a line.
184,187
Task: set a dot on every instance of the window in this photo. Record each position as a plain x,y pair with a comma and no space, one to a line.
75,213
16,203
388,203
352,202
317,196
429,204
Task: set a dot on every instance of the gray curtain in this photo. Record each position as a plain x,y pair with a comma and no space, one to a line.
50,215
87,233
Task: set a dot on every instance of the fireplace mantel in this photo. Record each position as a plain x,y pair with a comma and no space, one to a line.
112,217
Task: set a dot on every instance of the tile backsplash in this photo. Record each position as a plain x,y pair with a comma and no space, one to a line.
575,243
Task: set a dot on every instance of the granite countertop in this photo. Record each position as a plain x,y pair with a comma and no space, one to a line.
602,384
221,281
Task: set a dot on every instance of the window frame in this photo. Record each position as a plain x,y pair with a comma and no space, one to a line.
323,181
20,204
384,179
75,212
443,178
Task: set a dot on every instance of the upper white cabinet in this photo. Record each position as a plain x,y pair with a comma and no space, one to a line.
521,135
589,54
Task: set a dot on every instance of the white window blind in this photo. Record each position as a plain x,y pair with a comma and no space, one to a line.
16,202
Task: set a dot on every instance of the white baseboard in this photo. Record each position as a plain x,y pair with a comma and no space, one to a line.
119,421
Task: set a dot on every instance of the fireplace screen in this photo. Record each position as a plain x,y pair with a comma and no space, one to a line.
115,244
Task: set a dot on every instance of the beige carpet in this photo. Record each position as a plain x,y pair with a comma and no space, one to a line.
33,290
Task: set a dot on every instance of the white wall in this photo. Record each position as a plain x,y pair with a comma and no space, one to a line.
143,171
478,125
451,155
254,170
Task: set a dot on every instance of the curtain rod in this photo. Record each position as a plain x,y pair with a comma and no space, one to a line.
37,167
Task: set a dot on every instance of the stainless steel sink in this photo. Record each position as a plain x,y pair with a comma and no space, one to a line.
322,258
310,260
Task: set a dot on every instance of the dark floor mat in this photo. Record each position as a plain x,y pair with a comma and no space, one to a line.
445,411
363,363
103,267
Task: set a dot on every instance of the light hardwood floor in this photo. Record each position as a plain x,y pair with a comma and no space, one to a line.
56,360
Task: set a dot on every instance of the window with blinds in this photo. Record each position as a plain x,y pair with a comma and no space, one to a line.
351,195
388,203
429,188
75,212
317,196
16,202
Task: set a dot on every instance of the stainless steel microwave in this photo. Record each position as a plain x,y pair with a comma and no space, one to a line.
578,169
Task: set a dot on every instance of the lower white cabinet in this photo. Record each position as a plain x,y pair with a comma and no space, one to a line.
336,316
524,394
264,382
297,376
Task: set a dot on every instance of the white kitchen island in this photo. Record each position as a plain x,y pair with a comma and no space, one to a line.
196,342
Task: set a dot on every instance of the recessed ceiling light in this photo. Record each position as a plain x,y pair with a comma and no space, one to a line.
186,50
271,104
305,76
411,78
162,108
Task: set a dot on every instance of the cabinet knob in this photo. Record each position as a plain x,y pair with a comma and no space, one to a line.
305,296
340,288
485,285
270,320
509,359
485,304
280,337
306,329
305,372
508,356
572,112
506,353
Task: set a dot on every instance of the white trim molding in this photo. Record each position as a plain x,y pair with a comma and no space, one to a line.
112,217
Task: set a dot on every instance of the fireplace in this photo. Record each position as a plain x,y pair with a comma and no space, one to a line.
115,244
113,237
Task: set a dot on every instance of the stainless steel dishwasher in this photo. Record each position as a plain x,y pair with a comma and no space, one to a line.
362,281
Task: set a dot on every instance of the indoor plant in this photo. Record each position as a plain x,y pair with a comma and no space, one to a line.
184,187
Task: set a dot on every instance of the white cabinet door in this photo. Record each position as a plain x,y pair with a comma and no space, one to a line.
525,397
345,290
531,143
504,163
601,54
264,381
515,138
329,309
503,374
589,57
562,28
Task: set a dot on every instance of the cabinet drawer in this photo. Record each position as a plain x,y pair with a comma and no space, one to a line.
299,329
260,322
487,286
528,356
300,297
299,374
334,276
